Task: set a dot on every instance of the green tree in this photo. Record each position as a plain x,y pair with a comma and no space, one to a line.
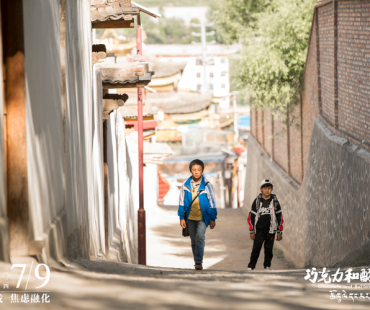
270,68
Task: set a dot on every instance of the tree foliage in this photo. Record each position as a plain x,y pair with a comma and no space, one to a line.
275,38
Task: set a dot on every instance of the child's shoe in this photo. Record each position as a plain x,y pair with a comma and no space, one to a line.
198,266
249,269
267,268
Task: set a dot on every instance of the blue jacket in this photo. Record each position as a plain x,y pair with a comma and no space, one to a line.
206,200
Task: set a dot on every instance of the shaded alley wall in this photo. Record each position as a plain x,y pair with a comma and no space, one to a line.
321,181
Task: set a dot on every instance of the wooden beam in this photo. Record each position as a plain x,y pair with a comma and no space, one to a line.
127,85
121,23
145,118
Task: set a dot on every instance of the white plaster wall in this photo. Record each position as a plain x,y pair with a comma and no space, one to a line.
4,227
78,127
44,113
128,213
122,214
96,195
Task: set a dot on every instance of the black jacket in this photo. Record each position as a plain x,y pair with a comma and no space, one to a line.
276,223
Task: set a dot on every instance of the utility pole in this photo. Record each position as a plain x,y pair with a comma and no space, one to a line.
203,35
141,211
236,131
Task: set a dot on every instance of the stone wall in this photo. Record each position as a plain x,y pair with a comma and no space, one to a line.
329,215
335,90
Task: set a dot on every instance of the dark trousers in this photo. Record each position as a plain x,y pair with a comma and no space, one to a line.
268,239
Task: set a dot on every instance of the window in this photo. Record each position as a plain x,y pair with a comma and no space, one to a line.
210,86
199,87
211,74
199,62
223,60
222,85
211,62
223,73
198,75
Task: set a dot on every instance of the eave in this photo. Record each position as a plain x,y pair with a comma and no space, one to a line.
117,14
125,75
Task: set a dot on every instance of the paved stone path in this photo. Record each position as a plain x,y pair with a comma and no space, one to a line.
101,284
228,246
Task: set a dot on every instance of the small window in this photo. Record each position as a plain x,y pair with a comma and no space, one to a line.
223,73
198,75
210,86
223,60
211,74
222,85
211,62
199,87
199,62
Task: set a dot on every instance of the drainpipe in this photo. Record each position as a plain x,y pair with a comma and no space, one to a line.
141,211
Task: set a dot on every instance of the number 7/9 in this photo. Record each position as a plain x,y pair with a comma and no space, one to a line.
23,266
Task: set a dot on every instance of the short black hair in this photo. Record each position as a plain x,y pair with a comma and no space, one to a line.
267,185
196,162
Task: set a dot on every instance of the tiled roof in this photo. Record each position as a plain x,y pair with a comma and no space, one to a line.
102,10
179,103
131,112
125,73
180,118
164,69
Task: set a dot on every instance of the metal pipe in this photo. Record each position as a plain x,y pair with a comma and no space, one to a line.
141,211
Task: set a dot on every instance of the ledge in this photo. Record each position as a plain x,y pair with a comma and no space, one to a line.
114,101
99,52
127,75
105,11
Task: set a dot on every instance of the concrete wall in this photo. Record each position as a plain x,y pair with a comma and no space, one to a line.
123,193
96,193
78,118
328,217
44,120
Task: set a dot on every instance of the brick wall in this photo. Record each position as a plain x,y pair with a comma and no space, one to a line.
281,142
267,118
260,126
326,37
310,101
336,86
354,68
295,144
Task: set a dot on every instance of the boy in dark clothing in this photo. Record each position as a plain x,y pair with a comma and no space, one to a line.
265,219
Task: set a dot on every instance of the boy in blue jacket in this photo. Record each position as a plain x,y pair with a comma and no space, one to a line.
202,213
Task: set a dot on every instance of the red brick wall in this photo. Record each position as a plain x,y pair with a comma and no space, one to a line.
260,126
253,123
295,147
310,104
354,68
281,142
326,39
352,62
268,132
